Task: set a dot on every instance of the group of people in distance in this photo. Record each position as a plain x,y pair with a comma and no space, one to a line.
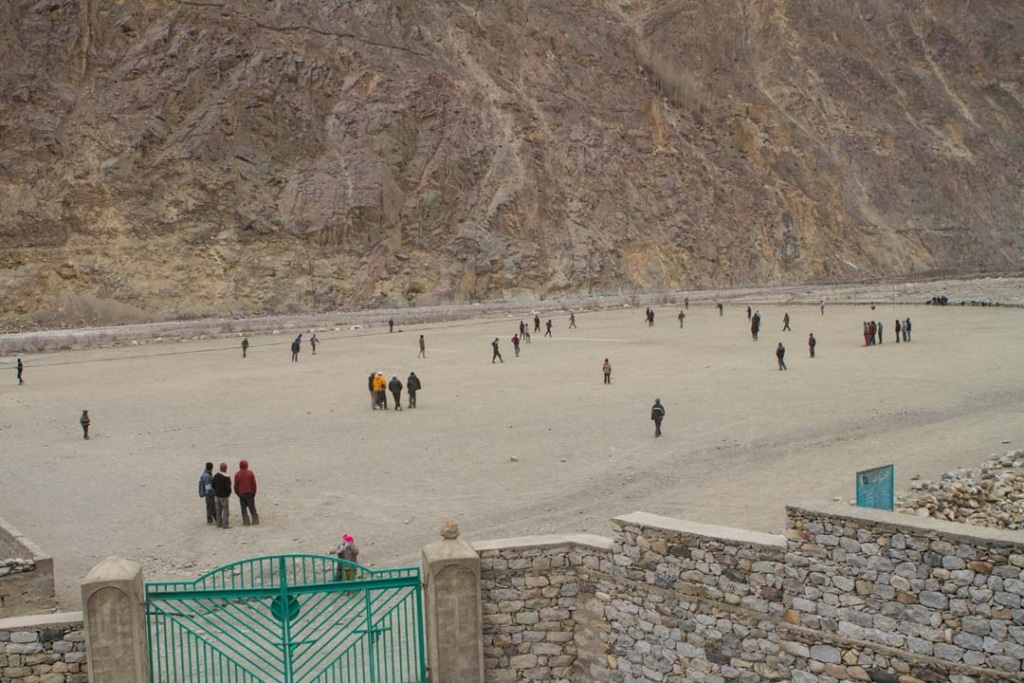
873,331
379,388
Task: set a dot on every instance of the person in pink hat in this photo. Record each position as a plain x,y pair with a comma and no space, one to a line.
348,551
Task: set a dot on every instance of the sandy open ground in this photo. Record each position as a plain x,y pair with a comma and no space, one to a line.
741,438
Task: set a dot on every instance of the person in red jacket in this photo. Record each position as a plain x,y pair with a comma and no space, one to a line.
245,489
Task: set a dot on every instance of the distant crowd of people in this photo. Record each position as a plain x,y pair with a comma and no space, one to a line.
873,331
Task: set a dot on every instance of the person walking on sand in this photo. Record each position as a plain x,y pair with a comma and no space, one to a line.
657,414
423,348
822,307
395,387
413,384
313,341
682,317
572,321
222,494
686,303
607,370
522,328
721,308
206,493
245,347
391,325
785,323
21,369
548,325
780,354
811,343
536,323
515,344
347,551
245,489
497,353
85,422
296,347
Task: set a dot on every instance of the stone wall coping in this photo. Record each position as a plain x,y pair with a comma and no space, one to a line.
724,533
39,621
911,523
545,541
33,551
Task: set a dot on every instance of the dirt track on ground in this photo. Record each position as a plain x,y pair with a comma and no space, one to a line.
741,438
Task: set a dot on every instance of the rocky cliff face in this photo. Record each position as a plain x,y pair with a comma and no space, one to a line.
175,159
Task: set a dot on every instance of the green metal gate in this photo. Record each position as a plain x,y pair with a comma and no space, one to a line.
288,619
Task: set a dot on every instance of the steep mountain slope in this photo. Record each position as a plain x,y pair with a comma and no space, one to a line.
175,159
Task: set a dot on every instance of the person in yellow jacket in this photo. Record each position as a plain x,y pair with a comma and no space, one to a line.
380,386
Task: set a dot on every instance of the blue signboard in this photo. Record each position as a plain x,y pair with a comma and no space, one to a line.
875,488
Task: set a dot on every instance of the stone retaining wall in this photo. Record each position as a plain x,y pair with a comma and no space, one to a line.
847,594
49,649
531,590
26,575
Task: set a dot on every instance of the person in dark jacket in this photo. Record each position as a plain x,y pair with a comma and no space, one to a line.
21,368
811,343
898,329
245,489
245,347
206,493
657,414
780,355
296,347
395,387
85,422
413,384
496,352
536,323
548,325
222,494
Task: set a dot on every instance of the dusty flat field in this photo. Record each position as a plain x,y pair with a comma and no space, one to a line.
741,438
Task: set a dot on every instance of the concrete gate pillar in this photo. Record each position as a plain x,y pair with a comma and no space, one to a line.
114,607
454,614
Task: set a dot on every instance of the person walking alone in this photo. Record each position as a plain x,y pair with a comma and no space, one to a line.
245,347
21,369
423,348
85,422
296,347
245,489
222,494
206,493
682,317
811,343
548,325
497,353
572,321
780,354
313,341
657,414
607,370
785,323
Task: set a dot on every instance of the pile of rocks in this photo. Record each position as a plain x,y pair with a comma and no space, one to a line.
16,566
990,496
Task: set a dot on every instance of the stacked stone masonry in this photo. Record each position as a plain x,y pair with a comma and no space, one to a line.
50,650
530,597
846,594
26,575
